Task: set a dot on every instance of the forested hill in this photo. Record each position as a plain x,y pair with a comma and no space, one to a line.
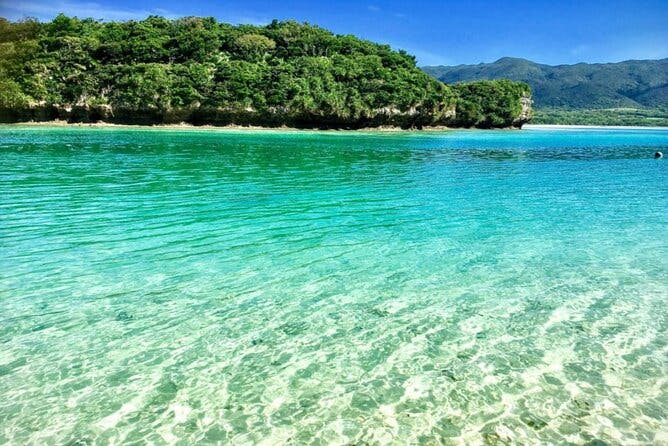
634,83
200,71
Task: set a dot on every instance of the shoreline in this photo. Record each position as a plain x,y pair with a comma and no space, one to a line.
590,127
229,127
236,127
252,128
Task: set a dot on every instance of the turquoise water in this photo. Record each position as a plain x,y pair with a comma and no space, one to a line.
180,287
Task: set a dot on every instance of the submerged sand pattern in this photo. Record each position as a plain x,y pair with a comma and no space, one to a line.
280,288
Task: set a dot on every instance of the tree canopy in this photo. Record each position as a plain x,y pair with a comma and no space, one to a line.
200,71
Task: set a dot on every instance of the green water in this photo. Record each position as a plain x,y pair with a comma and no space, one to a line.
181,287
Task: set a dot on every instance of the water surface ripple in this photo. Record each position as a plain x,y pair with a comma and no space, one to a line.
181,287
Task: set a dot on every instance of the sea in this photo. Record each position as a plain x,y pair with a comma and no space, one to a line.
198,286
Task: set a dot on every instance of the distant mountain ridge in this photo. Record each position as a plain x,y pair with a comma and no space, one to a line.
632,83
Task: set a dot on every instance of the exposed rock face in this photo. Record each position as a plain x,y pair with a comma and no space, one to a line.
274,117
527,112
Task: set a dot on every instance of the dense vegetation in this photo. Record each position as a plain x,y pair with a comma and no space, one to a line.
200,71
617,116
634,92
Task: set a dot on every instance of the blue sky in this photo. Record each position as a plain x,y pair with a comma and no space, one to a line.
436,31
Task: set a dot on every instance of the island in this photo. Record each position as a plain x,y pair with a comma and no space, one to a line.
199,71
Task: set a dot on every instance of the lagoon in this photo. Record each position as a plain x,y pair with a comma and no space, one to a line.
464,287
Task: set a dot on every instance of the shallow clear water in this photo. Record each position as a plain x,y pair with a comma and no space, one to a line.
333,288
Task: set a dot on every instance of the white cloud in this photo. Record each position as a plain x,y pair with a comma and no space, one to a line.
373,8
45,11
580,49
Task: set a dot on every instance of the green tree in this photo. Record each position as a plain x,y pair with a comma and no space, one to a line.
196,68
253,47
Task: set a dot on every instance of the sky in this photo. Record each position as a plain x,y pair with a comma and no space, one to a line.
437,32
